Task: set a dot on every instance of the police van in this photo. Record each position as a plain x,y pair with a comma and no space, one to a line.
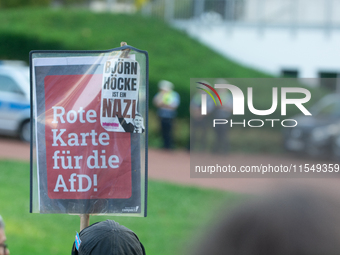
14,100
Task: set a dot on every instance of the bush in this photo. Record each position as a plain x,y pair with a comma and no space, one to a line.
21,3
74,2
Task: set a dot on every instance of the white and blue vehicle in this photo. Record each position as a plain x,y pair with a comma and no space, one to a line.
317,135
15,101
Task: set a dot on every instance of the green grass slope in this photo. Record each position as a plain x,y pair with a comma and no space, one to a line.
173,55
175,213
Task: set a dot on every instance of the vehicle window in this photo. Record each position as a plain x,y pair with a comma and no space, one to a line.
331,110
7,84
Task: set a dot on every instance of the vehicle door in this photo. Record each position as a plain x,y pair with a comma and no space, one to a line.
13,103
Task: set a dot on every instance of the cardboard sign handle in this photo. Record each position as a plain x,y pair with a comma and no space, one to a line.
84,221
125,52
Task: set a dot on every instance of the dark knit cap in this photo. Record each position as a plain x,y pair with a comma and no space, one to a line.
109,238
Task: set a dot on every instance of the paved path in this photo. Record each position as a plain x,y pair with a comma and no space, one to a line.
174,167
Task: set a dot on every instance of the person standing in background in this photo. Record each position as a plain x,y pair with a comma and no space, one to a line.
167,101
200,124
223,111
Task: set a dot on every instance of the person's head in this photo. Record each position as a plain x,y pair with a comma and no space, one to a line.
3,246
165,86
109,238
292,222
138,121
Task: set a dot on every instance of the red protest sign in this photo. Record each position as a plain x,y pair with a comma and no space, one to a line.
81,158
89,143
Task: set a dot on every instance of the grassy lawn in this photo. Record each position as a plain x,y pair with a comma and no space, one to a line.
175,214
173,55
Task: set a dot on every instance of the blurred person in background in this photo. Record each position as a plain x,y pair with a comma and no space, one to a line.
3,245
300,222
200,124
224,111
167,102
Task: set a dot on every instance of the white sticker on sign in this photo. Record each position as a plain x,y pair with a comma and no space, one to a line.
120,86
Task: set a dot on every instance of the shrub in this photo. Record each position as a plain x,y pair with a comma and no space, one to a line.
22,3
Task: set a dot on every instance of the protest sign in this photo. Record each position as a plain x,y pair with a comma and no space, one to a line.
89,122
